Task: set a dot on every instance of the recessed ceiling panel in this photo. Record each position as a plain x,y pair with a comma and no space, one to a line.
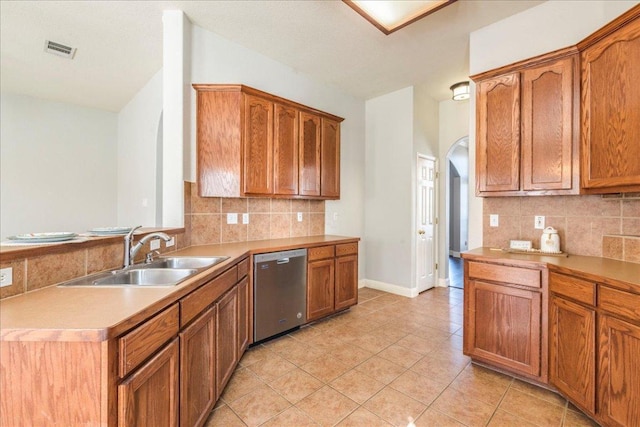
390,16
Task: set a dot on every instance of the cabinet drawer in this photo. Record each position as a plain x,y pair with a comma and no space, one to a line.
505,274
347,249
142,342
571,287
320,253
198,300
243,268
619,302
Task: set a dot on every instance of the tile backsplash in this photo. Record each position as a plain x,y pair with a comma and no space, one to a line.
587,225
206,218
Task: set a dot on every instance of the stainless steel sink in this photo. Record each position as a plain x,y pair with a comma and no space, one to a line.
168,271
147,277
187,262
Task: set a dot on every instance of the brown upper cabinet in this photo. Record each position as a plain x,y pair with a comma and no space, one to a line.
527,127
251,143
565,122
611,107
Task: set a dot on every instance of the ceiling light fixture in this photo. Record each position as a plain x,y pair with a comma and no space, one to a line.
389,15
461,91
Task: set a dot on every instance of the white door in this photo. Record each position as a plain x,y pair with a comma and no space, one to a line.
426,222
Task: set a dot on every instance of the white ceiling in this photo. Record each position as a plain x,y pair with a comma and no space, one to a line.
120,44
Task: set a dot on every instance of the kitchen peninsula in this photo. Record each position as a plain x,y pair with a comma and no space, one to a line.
104,349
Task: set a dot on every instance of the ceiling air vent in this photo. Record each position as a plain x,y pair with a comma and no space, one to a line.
59,49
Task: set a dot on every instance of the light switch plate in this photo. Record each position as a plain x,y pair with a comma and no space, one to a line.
245,218
6,276
232,218
171,242
538,222
299,216
154,245
493,220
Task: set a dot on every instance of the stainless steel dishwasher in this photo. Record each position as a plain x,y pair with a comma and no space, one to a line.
279,292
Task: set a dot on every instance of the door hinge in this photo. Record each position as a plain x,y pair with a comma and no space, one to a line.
436,220
436,265
437,175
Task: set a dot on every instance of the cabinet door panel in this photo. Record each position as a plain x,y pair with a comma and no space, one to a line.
619,372
197,370
258,146
346,286
243,315
320,288
149,397
309,184
219,143
498,134
504,326
330,159
285,158
572,349
610,110
548,139
226,338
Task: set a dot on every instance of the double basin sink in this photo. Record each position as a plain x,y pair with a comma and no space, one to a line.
160,272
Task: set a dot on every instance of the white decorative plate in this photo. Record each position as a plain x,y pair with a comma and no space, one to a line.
43,237
110,230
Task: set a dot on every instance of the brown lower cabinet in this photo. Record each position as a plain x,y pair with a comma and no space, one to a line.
198,374
572,339
168,370
595,348
226,338
332,279
503,318
149,397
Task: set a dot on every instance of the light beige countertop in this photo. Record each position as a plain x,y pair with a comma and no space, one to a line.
98,314
620,274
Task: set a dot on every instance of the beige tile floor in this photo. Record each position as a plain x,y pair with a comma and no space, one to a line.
383,361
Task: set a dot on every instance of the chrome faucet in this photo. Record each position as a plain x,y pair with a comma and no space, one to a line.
131,250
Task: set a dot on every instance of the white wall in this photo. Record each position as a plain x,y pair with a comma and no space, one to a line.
541,29
138,126
217,60
176,58
58,166
453,126
388,204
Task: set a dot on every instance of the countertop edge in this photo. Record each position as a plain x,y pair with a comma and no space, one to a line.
619,274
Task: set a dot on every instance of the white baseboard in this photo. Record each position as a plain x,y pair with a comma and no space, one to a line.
443,283
388,287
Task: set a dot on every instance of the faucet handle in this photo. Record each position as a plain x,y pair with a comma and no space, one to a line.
148,259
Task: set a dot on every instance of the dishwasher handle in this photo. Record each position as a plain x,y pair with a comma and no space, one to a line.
282,261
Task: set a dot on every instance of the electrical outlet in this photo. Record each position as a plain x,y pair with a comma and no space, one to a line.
154,245
538,222
494,220
171,242
299,216
245,218
6,276
232,218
